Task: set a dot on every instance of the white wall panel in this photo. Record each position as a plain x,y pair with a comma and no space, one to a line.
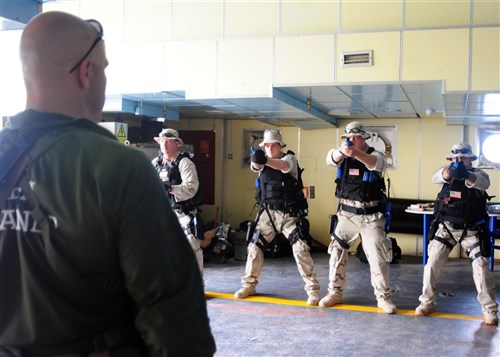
437,55
386,54
147,21
304,59
244,68
197,20
135,68
109,13
251,18
190,66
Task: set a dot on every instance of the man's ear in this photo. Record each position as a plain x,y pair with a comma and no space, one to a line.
84,73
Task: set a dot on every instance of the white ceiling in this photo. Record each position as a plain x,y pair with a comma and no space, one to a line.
288,106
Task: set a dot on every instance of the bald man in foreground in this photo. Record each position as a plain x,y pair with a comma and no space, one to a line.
93,261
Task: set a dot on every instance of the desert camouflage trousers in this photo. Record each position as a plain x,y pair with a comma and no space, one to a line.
377,248
438,256
286,224
185,222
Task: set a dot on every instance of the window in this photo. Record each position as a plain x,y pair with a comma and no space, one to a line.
251,139
383,138
489,147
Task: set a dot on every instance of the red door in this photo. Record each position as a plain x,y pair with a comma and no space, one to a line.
201,143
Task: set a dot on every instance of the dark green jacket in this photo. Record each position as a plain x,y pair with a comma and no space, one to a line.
120,252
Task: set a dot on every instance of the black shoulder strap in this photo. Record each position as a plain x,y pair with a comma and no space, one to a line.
179,157
299,169
14,160
13,150
19,155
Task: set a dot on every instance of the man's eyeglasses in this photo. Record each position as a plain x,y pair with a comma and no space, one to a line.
354,131
460,151
98,27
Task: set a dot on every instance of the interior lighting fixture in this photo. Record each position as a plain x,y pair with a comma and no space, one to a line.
138,108
429,111
344,111
340,112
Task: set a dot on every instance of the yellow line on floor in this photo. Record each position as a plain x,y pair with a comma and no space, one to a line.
271,300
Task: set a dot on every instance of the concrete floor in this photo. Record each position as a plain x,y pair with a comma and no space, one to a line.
277,321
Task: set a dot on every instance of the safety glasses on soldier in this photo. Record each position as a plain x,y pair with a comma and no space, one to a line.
355,131
461,151
100,35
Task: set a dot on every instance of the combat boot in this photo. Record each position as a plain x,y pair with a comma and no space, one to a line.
244,292
490,318
387,305
332,298
424,309
313,298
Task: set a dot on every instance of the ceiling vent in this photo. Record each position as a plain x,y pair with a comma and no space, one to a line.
356,58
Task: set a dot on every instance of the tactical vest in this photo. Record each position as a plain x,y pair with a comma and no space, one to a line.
355,182
279,191
173,176
461,205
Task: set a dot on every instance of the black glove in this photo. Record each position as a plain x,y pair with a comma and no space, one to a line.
458,170
259,157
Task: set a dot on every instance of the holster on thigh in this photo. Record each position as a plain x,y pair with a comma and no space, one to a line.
258,240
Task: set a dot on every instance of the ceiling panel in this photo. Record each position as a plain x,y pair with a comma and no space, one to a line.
320,106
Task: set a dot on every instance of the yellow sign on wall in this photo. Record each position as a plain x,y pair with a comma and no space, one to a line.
120,130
